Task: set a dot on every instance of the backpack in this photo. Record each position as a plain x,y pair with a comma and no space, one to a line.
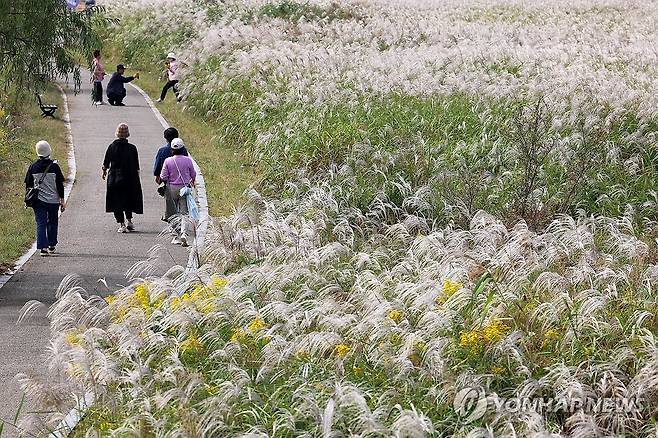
32,193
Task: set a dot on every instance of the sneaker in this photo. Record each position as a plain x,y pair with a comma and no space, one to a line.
183,241
51,249
130,226
176,240
158,100
98,103
44,253
122,229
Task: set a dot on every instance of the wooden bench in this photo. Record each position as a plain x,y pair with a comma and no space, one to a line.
46,109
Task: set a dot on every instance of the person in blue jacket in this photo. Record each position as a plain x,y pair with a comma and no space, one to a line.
163,153
116,90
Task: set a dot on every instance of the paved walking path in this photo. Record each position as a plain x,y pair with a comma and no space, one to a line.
89,244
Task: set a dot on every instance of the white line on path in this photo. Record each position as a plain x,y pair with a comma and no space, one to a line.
70,158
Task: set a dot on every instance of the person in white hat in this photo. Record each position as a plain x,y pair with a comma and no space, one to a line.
173,74
178,172
46,176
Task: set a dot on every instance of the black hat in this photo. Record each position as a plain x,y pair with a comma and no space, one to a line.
120,67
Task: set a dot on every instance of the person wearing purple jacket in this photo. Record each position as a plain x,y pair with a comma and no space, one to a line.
178,172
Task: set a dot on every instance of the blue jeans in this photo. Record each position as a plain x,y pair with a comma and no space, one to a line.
46,216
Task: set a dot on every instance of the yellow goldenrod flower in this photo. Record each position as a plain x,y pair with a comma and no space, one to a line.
256,325
218,283
142,295
106,426
238,335
73,338
476,340
211,389
199,291
110,299
551,334
470,341
141,299
158,303
180,301
206,307
450,287
395,315
341,350
420,346
495,331
550,337
497,370
357,370
192,345
396,338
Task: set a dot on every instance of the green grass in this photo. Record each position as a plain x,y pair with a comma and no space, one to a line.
27,127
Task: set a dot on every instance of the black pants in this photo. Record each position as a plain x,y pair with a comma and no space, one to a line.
97,93
168,85
118,215
116,99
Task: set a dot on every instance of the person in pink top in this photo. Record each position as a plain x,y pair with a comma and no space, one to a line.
177,172
173,75
97,76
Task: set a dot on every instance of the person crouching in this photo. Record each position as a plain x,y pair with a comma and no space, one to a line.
116,89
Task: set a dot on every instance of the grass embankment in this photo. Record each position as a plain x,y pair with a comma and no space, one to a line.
25,127
224,164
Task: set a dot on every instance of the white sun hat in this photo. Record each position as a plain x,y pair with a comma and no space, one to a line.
171,55
43,149
177,143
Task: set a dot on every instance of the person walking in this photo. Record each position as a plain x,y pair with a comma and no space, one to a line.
116,89
124,189
178,173
163,153
46,175
173,74
97,76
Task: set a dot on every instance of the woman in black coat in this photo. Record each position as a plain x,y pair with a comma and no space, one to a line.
124,190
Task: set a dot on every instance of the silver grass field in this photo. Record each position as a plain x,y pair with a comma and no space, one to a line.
456,198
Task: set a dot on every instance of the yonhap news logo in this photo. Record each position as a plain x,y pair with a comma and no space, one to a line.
472,403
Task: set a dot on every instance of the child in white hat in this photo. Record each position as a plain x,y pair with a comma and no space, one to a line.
173,74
